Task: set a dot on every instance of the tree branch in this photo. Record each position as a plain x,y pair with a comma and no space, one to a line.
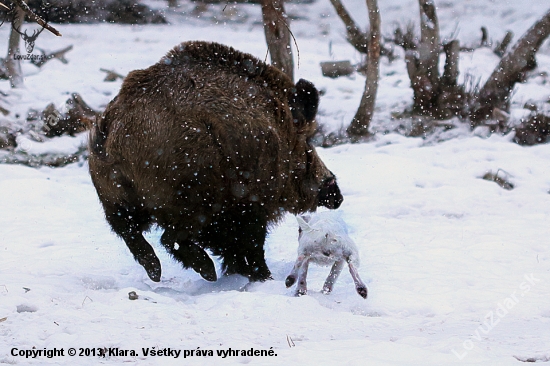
511,69
35,17
358,39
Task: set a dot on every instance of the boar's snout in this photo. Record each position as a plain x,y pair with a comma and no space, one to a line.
329,194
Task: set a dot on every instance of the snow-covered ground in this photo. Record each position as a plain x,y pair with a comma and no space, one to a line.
458,268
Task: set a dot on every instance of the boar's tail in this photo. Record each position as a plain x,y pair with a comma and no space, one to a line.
98,136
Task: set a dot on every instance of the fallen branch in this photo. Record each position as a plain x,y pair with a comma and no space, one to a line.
60,55
504,182
112,75
78,118
335,69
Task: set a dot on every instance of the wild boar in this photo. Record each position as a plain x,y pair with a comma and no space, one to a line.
212,145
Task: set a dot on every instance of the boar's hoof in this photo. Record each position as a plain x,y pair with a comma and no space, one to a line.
151,264
290,280
362,291
208,274
200,261
260,278
260,275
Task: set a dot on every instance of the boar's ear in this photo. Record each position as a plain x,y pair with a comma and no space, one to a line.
304,102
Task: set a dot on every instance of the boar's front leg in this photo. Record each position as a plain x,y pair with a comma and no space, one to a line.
188,253
254,231
238,236
129,225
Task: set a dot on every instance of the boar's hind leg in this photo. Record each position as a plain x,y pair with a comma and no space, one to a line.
188,254
129,225
238,236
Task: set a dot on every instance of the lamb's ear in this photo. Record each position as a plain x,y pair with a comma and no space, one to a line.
304,102
303,223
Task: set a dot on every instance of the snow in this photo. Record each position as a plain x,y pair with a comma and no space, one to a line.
57,145
458,269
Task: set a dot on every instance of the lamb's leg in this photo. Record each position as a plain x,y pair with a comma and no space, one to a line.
333,276
291,278
301,289
360,287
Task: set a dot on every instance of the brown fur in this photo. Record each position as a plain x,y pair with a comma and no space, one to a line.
210,144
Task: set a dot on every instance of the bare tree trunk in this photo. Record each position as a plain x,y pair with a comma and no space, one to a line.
422,64
428,50
277,35
452,53
12,65
511,69
435,96
360,124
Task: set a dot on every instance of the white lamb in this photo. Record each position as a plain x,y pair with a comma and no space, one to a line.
323,239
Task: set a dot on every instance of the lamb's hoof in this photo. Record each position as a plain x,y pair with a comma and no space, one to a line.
290,280
301,292
326,291
362,291
151,264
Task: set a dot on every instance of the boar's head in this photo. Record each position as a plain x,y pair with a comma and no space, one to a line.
315,183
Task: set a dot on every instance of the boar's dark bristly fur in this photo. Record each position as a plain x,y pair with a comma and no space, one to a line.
212,145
